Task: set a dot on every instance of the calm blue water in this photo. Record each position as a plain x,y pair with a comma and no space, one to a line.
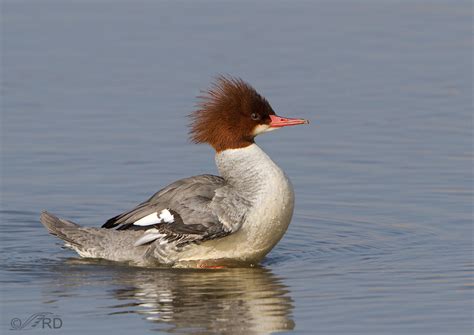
94,98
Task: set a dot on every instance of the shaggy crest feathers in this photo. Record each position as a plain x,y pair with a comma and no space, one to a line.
223,118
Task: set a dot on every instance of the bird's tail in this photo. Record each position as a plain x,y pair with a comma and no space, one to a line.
93,242
64,229
86,241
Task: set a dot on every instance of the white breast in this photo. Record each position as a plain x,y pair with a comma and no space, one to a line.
270,194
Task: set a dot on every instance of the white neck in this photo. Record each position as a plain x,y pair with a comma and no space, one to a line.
247,169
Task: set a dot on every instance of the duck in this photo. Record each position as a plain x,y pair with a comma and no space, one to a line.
204,221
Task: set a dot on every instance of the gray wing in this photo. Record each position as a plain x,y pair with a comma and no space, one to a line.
180,212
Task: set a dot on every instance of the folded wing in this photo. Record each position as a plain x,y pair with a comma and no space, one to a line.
182,212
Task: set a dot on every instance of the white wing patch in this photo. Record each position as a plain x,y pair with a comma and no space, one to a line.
153,234
149,236
166,216
154,218
148,220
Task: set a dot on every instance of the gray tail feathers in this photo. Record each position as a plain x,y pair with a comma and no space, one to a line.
64,229
94,242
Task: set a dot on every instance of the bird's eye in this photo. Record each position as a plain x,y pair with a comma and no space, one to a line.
255,116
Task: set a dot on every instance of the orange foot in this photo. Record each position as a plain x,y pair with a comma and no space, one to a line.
204,266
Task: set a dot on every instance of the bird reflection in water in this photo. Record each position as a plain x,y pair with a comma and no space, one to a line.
232,300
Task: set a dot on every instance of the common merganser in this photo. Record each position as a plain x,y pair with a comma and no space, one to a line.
204,221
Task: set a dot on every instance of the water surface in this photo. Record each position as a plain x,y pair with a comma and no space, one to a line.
94,98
